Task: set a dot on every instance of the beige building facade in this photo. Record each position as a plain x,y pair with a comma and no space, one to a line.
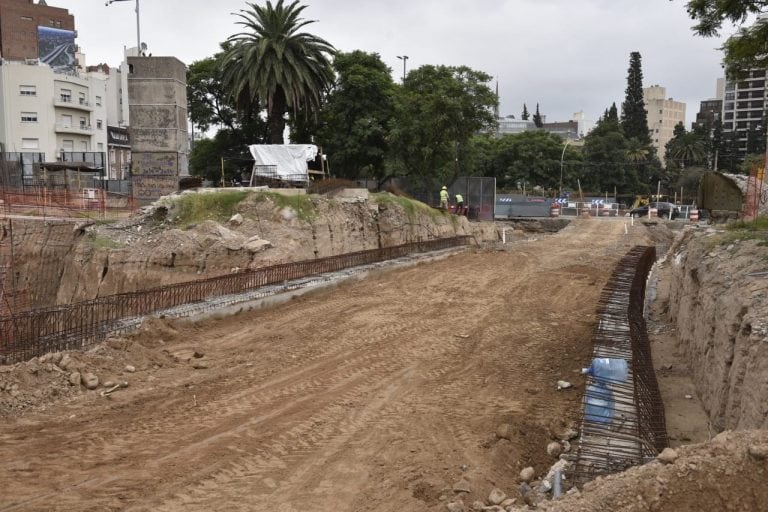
663,115
51,113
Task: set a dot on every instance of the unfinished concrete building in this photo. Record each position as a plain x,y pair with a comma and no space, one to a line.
157,96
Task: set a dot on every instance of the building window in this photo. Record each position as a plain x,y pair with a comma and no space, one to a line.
30,143
83,123
84,146
100,147
82,98
98,101
98,124
66,96
29,117
27,18
68,145
28,90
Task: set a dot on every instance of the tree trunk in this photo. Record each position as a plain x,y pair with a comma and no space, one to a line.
275,121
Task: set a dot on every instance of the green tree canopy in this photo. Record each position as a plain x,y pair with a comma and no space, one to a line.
749,47
273,61
525,115
438,111
357,116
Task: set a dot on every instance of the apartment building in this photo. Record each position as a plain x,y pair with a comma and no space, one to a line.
53,108
663,115
51,113
744,107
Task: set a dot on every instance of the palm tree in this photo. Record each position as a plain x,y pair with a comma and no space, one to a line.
273,61
636,151
688,149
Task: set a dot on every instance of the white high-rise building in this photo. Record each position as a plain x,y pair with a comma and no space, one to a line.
663,115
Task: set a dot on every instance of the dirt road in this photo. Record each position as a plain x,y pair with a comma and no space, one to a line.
377,395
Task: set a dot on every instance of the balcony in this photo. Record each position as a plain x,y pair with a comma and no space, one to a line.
69,102
82,129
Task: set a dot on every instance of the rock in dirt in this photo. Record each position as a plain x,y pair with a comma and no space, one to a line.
504,431
65,362
527,474
508,502
109,384
554,449
90,381
462,486
200,365
129,368
236,220
494,508
668,456
455,506
75,379
197,354
256,244
478,506
758,451
563,384
496,496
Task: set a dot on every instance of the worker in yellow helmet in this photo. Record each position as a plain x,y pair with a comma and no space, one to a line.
444,198
459,204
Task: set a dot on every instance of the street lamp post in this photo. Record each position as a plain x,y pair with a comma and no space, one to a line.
560,191
403,58
138,25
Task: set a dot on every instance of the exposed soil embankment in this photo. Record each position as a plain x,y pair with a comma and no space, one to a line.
191,237
718,300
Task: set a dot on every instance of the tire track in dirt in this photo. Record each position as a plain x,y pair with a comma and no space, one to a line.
320,401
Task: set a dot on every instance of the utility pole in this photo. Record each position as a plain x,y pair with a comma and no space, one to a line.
403,58
138,24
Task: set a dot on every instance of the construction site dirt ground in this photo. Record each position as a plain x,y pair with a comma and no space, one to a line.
379,394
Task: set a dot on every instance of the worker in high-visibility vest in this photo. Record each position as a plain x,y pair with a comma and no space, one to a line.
444,198
459,204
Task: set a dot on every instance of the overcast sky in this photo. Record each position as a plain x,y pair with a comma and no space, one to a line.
567,55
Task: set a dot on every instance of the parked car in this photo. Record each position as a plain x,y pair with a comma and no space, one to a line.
662,210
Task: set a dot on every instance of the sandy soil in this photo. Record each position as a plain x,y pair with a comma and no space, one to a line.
378,395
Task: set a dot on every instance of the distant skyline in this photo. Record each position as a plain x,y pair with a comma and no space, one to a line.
565,55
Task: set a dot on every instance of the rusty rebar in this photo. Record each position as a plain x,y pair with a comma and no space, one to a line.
75,326
636,430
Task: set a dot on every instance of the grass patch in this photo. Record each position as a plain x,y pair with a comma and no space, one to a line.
410,206
302,204
745,230
100,242
218,206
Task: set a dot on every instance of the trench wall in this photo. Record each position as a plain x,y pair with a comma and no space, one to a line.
718,301
57,263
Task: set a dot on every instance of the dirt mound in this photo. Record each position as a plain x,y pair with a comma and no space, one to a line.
727,473
62,377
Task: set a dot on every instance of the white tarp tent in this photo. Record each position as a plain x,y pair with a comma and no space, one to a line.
282,161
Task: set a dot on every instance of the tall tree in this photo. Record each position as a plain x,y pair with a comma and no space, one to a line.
438,111
749,47
208,103
537,118
525,116
273,61
634,118
356,118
